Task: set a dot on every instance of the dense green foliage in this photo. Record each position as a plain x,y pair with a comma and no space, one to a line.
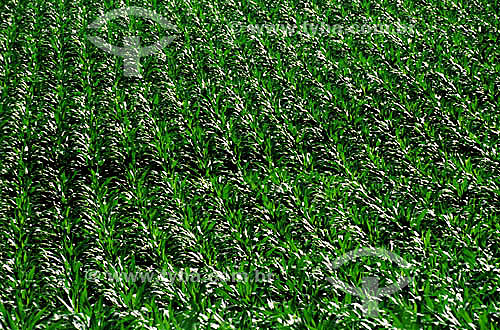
243,152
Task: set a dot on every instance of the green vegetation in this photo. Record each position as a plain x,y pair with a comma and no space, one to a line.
239,152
